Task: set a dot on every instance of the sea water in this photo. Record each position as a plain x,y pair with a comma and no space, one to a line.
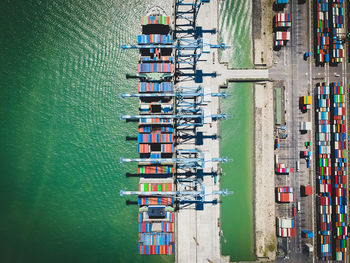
62,72
237,135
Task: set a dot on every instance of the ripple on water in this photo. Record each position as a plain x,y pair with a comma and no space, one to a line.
62,134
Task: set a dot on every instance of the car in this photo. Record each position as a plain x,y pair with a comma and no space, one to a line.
336,74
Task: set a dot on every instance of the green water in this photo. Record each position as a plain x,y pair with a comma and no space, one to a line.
236,31
237,137
237,142
61,138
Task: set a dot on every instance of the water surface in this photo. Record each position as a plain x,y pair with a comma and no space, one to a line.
237,135
62,72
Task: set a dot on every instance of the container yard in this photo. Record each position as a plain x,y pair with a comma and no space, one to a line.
281,38
331,171
285,194
282,168
285,227
329,24
282,20
281,23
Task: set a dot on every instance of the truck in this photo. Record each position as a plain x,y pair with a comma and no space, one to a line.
281,2
307,162
305,103
305,126
277,143
306,190
307,55
307,233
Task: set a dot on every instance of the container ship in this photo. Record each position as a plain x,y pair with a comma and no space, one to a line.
156,134
162,108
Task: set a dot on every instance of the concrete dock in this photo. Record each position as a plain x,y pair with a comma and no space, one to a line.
198,231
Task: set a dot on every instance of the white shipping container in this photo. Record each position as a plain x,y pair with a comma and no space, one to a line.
284,232
325,248
285,222
320,16
323,136
325,150
322,188
325,209
305,126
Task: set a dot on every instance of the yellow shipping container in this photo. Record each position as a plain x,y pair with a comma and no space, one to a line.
307,100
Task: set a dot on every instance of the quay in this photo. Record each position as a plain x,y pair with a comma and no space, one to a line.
173,113
179,92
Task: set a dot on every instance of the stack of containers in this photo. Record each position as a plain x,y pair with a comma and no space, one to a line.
156,20
322,31
340,172
281,38
324,170
145,87
285,194
158,187
155,169
282,168
282,20
155,59
156,237
337,23
285,227
156,140
154,39
155,67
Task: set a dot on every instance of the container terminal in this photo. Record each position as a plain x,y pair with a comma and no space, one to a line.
166,106
311,128
303,207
